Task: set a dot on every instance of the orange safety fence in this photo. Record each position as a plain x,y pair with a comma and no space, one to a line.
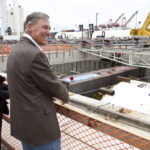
80,132
56,48
5,50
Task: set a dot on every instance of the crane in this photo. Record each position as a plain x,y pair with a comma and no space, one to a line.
144,31
76,27
115,24
124,25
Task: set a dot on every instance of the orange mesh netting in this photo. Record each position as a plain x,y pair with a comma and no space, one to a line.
79,132
56,48
5,49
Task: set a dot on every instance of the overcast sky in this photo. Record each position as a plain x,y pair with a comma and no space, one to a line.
67,14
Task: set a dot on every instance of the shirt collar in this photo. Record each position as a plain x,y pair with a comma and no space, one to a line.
34,42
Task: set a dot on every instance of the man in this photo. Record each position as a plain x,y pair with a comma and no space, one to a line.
33,87
3,103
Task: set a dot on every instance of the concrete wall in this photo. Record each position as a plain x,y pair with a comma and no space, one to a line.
68,57
56,58
3,62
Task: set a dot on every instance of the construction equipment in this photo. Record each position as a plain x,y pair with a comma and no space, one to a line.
111,24
125,25
115,24
144,31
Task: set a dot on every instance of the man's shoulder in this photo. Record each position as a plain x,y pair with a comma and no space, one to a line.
25,45
25,41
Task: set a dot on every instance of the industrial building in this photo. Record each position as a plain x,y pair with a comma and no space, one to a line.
11,20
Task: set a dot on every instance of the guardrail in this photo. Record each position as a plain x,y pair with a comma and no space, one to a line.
83,130
133,57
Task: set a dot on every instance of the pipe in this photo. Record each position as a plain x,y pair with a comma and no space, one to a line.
107,91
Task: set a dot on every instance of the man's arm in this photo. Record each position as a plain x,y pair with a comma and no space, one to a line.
46,80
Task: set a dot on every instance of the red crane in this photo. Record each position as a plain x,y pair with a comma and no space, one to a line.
130,19
115,24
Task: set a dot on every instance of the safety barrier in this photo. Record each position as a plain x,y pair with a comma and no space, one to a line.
56,48
80,131
4,50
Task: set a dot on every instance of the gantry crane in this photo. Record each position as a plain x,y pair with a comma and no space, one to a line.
144,31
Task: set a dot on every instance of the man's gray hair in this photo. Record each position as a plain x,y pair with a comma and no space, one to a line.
33,18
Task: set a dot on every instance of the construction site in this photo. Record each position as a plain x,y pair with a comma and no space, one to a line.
98,77
106,68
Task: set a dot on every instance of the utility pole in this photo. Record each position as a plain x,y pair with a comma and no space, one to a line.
96,20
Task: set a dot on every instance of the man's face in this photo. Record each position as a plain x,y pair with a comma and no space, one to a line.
40,32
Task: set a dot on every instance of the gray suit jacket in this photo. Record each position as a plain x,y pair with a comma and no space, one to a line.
31,86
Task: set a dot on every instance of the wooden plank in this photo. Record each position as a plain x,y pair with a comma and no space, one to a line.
131,129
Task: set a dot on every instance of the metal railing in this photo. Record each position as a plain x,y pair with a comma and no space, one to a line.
134,56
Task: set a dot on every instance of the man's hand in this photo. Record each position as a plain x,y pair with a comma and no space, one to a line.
62,102
54,98
70,93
